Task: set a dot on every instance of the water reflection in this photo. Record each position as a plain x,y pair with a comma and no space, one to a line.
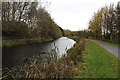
13,56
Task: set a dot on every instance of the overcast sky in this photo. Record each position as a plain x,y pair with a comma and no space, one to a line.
75,14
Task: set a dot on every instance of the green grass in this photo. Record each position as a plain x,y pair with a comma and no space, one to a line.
13,43
97,63
44,40
18,42
112,44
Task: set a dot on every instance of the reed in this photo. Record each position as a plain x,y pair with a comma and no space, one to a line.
48,65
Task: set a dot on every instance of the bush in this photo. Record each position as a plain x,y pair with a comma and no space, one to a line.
76,52
14,29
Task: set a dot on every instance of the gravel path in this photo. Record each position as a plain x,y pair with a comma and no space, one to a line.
112,49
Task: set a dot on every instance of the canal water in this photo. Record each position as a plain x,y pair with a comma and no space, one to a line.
12,56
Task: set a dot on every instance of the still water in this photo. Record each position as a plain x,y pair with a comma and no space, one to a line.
13,56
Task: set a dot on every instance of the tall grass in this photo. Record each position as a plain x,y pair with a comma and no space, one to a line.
48,65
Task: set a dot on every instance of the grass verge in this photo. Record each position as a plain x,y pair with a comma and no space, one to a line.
9,43
97,63
113,44
44,40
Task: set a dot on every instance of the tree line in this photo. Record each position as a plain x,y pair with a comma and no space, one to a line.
27,20
105,24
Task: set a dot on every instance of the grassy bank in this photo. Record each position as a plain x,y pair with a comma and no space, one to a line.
13,43
97,63
43,40
9,43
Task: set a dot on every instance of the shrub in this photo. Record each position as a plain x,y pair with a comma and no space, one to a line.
14,29
76,52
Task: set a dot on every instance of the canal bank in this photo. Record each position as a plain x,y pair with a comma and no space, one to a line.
51,66
17,42
13,56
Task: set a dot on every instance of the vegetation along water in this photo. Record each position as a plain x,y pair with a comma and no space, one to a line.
35,46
